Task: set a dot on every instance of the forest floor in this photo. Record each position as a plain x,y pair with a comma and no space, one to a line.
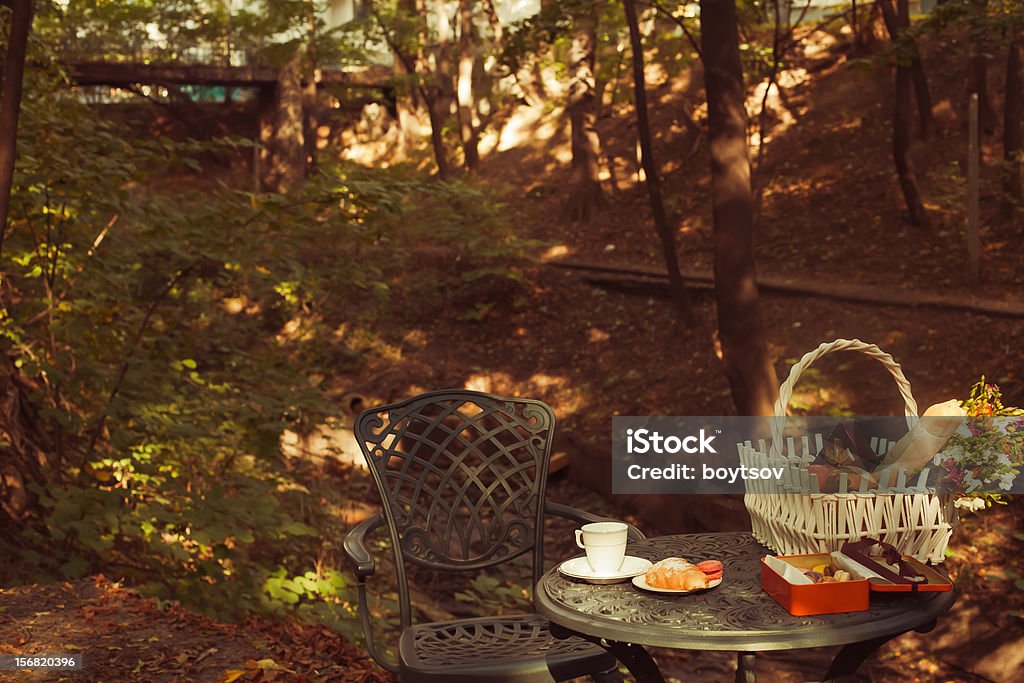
125,637
831,211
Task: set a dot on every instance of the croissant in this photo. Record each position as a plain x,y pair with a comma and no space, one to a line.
676,573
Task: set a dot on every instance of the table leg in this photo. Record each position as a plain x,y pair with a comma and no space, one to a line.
636,659
746,671
853,655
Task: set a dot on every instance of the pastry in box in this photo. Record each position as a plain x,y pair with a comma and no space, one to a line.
793,582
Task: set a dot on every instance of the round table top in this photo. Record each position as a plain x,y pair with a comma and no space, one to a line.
736,615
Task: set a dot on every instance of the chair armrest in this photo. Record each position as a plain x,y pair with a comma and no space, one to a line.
362,562
355,546
582,517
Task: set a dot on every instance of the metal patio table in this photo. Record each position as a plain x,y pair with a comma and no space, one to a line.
735,616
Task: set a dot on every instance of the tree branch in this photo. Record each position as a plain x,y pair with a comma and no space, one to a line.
136,341
654,4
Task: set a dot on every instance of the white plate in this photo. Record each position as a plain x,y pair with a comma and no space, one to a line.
579,568
641,582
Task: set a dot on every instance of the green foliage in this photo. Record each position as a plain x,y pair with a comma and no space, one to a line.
202,31
494,595
989,25
175,334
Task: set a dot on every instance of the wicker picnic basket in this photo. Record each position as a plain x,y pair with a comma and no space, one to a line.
791,521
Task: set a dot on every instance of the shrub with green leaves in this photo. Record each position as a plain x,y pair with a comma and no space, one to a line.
168,336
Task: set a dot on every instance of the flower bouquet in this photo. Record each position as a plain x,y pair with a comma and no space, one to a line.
986,454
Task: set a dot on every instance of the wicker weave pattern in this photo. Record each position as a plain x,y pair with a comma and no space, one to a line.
791,521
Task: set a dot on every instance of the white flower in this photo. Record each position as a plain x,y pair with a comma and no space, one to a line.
972,504
954,452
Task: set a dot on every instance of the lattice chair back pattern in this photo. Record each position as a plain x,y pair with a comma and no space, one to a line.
462,474
788,519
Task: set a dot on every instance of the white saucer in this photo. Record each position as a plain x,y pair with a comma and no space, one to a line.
579,568
641,582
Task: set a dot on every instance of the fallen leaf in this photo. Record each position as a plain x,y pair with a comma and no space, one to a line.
271,665
206,654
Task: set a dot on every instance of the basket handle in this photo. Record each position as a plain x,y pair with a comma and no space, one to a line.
786,390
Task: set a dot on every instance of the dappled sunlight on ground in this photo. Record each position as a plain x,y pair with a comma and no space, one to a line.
527,125
774,106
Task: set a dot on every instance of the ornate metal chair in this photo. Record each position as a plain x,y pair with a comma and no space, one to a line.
462,475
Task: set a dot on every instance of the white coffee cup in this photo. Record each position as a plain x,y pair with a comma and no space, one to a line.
605,543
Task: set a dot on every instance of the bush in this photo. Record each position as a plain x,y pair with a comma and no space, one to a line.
168,338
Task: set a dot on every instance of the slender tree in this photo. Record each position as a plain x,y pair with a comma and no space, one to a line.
585,194
744,352
443,71
896,21
310,99
25,450
428,93
1013,110
977,78
464,89
661,224
10,104
922,93
289,141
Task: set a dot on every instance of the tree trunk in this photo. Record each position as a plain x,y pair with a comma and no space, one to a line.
436,135
443,60
310,100
433,93
901,124
263,157
977,79
744,352
661,224
408,101
858,47
926,122
464,89
922,93
10,105
1013,110
289,149
585,194
427,93
310,121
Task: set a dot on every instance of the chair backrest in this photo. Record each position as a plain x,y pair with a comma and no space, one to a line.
462,475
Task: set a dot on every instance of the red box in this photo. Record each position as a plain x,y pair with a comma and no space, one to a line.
803,600
934,582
